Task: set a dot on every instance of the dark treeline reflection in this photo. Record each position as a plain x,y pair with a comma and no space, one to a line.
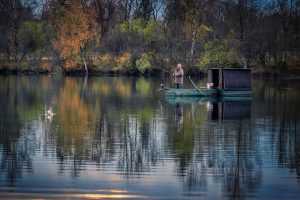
277,110
124,126
219,150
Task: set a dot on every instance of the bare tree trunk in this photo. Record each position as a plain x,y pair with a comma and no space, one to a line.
193,39
283,14
15,16
242,30
85,66
83,57
127,8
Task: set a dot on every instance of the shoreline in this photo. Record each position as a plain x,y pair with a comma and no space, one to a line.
294,74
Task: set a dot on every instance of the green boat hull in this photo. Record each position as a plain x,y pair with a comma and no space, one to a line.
207,93
191,92
195,99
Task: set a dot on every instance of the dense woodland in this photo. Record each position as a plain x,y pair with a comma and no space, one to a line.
149,36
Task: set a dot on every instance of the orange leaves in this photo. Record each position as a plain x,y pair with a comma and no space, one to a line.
76,28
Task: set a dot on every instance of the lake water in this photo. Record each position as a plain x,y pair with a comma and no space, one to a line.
118,137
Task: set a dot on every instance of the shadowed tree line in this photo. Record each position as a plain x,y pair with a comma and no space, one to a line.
147,36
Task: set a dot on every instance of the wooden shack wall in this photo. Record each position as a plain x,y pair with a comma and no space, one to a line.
236,79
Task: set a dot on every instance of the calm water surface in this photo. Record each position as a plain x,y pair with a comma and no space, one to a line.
115,137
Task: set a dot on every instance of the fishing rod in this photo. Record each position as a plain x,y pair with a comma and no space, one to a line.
163,69
196,86
162,85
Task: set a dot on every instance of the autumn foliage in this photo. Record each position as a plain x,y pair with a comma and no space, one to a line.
140,37
76,27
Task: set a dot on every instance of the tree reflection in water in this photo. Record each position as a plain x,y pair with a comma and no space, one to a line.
104,126
282,113
122,126
20,104
226,151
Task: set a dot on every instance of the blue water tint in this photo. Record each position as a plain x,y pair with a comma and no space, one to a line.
113,137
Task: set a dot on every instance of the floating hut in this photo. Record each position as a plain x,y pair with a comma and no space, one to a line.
220,83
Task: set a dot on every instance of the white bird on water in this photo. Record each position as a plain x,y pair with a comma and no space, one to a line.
49,113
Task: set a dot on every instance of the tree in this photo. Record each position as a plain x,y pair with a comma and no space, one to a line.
221,53
194,31
144,9
13,14
138,31
127,6
32,37
106,13
76,28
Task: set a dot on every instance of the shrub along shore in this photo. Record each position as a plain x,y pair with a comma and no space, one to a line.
104,68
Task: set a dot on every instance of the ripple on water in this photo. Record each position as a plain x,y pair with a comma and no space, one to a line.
117,138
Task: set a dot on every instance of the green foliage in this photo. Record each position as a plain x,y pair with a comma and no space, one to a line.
153,31
24,64
144,62
32,36
132,26
217,52
150,30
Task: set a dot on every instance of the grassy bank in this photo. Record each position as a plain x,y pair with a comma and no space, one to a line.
35,70
126,64
26,67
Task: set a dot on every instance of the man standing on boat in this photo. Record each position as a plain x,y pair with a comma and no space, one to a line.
178,74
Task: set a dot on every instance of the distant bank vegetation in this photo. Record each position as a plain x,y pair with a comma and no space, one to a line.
148,36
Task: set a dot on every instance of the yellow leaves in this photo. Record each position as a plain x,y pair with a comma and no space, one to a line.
123,61
75,28
106,58
105,61
114,63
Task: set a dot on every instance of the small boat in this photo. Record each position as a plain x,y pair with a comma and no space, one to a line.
190,92
170,99
220,83
206,92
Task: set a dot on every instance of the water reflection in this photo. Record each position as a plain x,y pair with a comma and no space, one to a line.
232,109
222,148
20,105
282,116
110,129
179,116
